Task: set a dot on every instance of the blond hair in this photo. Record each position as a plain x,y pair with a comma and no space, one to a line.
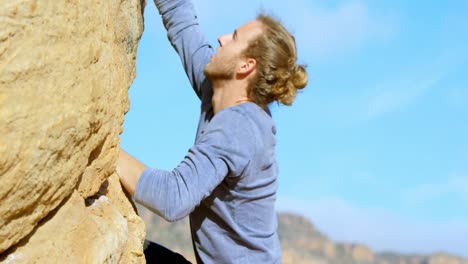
278,76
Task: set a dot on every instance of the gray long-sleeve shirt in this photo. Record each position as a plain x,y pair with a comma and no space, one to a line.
227,182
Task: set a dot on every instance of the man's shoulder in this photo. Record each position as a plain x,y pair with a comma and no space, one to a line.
257,116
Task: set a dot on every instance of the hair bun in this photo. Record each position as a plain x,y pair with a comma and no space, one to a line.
299,76
287,82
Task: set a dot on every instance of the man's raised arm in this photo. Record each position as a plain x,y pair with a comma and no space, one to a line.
184,34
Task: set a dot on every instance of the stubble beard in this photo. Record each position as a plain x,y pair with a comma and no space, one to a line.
220,71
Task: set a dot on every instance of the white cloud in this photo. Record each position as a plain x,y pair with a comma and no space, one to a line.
409,86
380,229
320,30
458,97
325,32
398,96
453,186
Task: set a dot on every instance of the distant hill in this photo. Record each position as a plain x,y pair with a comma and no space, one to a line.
300,242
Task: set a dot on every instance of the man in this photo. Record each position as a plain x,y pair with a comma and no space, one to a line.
227,181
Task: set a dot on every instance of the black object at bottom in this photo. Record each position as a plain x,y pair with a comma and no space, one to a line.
155,253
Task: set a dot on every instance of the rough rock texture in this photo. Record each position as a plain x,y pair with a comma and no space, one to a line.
65,70
95,231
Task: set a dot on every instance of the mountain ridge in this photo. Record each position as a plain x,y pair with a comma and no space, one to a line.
301,242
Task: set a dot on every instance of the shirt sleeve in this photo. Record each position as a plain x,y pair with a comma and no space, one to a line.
224,150
183,31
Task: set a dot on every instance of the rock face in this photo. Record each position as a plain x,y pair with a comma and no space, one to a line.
65,70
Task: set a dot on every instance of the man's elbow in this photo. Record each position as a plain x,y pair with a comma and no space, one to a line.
175,214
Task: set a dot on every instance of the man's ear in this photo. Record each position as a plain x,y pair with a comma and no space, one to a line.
247,66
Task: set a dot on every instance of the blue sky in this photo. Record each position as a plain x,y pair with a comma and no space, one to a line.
375,149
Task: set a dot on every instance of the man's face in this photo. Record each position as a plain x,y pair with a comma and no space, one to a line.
228,58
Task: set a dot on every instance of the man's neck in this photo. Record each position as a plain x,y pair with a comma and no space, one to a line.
227,94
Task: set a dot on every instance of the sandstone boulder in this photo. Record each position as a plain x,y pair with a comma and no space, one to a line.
65,70
97,230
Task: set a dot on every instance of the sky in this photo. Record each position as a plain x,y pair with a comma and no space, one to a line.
374,150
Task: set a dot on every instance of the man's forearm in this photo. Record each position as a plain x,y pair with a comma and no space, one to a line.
180,20
129,170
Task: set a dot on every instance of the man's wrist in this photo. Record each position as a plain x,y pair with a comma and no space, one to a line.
129,170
